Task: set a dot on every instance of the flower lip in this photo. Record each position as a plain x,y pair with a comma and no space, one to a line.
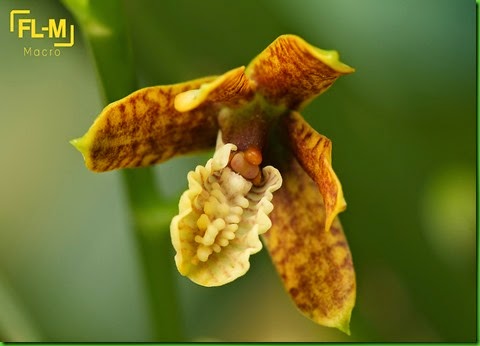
220,219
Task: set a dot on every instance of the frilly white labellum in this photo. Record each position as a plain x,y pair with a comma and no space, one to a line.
221,216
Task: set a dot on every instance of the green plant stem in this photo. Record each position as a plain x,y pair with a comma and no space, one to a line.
16,322
104,28
151,223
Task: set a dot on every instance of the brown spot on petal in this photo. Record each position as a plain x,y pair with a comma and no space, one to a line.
294,292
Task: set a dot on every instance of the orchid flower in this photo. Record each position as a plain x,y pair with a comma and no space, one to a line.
271,173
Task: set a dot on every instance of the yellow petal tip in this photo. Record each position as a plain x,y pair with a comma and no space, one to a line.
344,326
332,59
78,144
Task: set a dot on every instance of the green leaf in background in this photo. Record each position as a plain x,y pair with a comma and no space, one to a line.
104,28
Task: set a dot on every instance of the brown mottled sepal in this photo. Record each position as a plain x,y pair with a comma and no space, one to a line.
314,153
315,266
144,128
291,72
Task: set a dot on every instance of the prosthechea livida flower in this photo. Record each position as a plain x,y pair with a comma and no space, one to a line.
271,173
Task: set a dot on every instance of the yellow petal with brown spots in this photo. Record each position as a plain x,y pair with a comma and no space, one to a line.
315,266
231,89
314,153
144,128
290,72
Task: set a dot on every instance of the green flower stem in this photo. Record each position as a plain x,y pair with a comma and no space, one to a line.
104,28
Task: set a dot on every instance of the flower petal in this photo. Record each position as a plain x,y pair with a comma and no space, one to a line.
144,128
220,219
230,89
315,266
291,72
314,153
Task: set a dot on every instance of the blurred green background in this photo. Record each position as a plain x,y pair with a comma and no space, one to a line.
404,133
